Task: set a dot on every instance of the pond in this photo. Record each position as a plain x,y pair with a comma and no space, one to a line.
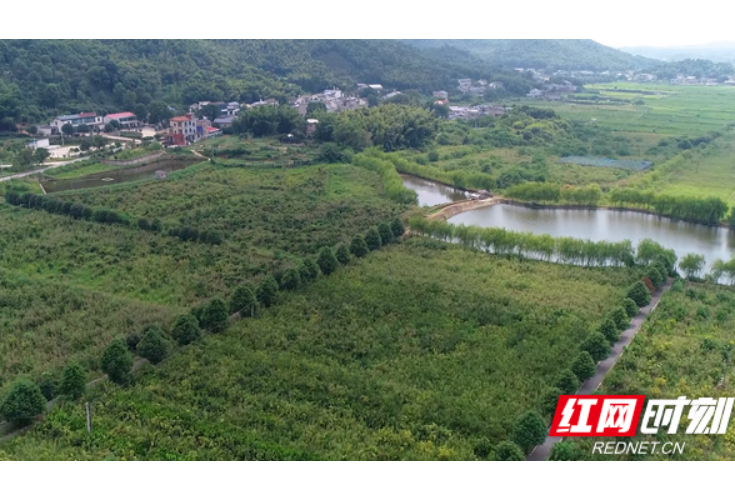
432,193
610,225
117,176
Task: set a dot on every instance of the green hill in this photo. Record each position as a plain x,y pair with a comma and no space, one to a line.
39,78
542,53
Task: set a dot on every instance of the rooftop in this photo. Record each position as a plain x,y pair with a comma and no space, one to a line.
117,116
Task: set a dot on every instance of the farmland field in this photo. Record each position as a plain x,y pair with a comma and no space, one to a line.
684,349
422,350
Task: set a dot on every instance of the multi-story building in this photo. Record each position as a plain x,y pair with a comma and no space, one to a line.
183,130
89,119
125,119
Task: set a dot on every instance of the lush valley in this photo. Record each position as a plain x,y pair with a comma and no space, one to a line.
271,284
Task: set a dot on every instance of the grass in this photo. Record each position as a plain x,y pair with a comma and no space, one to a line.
420,351
676,111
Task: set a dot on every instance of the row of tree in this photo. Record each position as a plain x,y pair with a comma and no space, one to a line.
542,192
27,399
105,216
392,182
529,429
541,247
75,210
709,210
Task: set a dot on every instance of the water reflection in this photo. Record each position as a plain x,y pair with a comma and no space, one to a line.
611,225
432,193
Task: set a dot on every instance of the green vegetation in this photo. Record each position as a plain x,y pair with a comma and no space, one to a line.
684,349
553,54
24,402
73,381
405,353
117,362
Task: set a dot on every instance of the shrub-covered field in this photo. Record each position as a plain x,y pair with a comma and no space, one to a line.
684,349
268,220
420,350
46,324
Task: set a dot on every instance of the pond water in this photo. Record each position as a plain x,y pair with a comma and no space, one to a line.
610,225
116,176
432,193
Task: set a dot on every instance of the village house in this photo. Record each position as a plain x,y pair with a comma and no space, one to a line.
126,119
464,84
311,125
182,130
441,94
89,119
267,102
535,94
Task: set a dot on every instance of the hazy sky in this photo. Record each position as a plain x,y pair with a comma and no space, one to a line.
657,42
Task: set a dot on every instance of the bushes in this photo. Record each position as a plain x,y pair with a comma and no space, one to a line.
372,239
342,254
291,279
597,346
267,291
507,451
639,294
73,381
392,182
567,382
397,227
609,330
386,234
327,261
620,318
117,362
214,317
358,247
631,308
185,329
243,300
75,210
529,430
23,403
153,345
584,366
186,233
309,270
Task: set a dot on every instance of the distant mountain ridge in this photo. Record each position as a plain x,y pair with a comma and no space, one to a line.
715,51
567,54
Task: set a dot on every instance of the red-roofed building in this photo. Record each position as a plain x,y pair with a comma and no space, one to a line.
213,132
126,119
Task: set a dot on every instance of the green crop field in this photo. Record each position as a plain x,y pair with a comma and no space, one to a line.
674,111
684,349
422,350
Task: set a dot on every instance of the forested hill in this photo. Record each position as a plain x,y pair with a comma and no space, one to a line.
542,53
41,77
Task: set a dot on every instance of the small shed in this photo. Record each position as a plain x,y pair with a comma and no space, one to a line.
160,174
484,194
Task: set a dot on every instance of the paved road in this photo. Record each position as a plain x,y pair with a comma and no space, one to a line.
48,166
543,451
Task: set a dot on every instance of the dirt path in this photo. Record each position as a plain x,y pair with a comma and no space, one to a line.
457,207
40,170
543,451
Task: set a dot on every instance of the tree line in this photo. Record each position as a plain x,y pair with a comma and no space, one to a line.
541,192
26,399
392,182
564,250
106,216
710,210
